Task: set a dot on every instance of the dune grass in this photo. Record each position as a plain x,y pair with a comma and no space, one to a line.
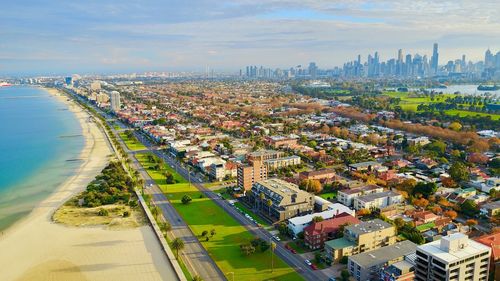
224,247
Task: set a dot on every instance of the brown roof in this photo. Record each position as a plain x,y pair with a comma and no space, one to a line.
492,241
330,225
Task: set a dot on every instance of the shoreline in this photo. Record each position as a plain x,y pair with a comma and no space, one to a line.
45,250
80,115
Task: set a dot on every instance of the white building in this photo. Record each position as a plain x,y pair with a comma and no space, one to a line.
115,101
297,224
454,257
347,196
377,200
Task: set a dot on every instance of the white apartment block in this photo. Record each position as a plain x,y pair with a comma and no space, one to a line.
452,258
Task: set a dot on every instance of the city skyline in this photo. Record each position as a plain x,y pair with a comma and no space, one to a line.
96,37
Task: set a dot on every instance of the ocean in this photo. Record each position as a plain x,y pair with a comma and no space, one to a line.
40,142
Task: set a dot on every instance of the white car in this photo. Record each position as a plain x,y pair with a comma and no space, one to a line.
308,262
276,238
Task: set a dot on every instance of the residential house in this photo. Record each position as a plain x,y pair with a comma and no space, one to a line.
377,200
492,241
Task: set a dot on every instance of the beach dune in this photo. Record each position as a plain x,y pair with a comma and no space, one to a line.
36,248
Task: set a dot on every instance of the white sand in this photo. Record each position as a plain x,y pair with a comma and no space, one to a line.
37,249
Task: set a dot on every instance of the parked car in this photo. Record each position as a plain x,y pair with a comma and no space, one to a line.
308,262
314,267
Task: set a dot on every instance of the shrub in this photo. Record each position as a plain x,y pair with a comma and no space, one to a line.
103,213
126,214
186,199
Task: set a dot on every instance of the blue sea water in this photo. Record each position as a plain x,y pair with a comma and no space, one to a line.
40,144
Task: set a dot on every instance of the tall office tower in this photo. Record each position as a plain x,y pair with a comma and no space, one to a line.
497,58
248,71
453,257
435,59
400,55
488,59
313,70
115,101
408,69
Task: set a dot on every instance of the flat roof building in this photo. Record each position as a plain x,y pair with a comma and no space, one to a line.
453,257
367,265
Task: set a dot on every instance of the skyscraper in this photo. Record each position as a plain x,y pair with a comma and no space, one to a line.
435,59
115,101
489,59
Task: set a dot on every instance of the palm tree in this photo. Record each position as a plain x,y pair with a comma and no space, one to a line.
177,245
155,211
165,226
262,197
273,247
269,204
197,278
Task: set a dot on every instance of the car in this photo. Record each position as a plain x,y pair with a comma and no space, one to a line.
276,237
314,267
293,251
332,279
308,262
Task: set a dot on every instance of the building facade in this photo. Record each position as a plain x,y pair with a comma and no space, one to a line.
347,196
280,200
115,101
248,174
453,257
359,238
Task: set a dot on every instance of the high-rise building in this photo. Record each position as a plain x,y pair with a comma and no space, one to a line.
313,69
489,60
453,257
115,101
435,59
248,174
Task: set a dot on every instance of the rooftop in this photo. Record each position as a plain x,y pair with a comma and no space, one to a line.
360,189
365,164
373,196
459,247
384,254
339,243
368,226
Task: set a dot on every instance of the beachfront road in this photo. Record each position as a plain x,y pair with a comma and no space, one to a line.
293,260
197,259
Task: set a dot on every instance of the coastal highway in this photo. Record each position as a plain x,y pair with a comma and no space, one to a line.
198,260
195,258
293,260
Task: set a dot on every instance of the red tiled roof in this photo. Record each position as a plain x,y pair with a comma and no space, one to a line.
492,241
330,225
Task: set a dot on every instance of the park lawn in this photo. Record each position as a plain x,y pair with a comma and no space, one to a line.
143,159
132,144
326,195
224,247
462,113
425,227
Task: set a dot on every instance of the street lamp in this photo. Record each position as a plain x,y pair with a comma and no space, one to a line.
231,273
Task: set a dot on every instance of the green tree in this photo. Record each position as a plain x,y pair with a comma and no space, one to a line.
186,199
469,208
155,211
273,248
425,189
344,275
165,226
317,219
177,245
197,278
459,172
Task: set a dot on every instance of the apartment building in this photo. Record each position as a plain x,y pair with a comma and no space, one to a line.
368,265
359,238
377,200
297,224
280,200
321,175
317,233
248,174
453,257
347,196
264,154
278,163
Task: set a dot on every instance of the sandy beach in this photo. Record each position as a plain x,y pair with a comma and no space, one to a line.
36,248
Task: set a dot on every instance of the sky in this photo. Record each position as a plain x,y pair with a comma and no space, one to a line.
101,36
